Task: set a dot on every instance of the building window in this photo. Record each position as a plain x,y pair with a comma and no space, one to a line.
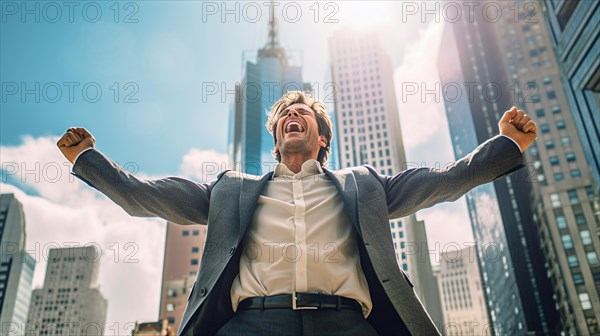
575,173
171,293
555,200
566,12
170,307
590,192
580,219
171,320
196,232
592,258
185,233
195,249
566,141
551,95
584,298
570,157
578,278
194,262
573,197
567,242
561,222
573,262
561,124
554,160
545,128
586,238
549,144
539,112
547,79
555,109
559,176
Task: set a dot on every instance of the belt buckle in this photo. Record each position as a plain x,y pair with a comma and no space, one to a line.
295,306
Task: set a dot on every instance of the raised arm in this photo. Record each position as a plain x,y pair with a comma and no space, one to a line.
175,199
419,188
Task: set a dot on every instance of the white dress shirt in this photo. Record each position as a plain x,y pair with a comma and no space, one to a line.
301,239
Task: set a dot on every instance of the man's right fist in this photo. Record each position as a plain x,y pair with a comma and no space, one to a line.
74,141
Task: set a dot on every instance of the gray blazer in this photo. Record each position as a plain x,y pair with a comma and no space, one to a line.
370,199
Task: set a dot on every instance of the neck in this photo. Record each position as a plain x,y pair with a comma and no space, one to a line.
294,162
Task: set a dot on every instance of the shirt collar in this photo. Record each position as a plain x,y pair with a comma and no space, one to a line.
309,168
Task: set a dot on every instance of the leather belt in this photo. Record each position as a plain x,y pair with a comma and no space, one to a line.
299,301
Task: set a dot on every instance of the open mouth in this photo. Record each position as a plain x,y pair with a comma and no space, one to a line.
294,127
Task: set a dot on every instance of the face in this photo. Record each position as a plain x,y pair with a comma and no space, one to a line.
298,132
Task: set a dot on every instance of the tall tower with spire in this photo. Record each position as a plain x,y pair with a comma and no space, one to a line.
264,81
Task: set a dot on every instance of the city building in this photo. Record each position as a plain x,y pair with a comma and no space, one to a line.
419,261
463,300
477,91
368,131
565,197
264,82
159,328
183,253
16,266
574,28
70,301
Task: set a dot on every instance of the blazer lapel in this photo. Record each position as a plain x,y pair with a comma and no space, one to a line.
346,185
250,190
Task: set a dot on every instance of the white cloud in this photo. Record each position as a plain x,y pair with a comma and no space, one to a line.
421,117
68,212
203,165
448,227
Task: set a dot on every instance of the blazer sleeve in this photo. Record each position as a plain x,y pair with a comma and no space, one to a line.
418,188
173,198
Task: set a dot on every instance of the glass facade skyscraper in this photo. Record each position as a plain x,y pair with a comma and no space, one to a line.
575,35
16,267
517,290
264,82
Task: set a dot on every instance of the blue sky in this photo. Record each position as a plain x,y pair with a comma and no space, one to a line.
167,56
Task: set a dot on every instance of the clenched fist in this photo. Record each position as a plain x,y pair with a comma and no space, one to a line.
74,141
518,126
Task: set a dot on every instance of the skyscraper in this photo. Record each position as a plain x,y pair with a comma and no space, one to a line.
16,266
477,92
426,287
564,198
575,35
368,131
366,114
158,328
463,300
70,302
183,253
264,82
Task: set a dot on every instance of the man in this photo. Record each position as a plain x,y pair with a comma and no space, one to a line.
301,250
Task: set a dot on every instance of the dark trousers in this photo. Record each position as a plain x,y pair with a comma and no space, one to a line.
270,322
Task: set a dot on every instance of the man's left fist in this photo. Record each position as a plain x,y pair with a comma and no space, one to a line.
518,126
